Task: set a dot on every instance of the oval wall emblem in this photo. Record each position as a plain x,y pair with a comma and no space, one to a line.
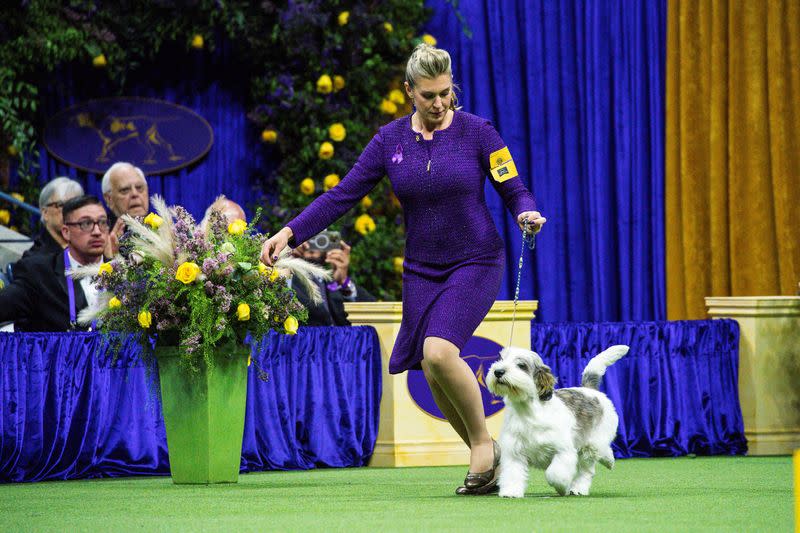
479,353
158,136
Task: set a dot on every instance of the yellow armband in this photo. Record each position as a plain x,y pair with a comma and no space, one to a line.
502,166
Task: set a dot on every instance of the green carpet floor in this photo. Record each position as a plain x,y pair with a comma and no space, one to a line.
685,494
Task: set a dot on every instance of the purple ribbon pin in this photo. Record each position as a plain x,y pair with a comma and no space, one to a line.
398,154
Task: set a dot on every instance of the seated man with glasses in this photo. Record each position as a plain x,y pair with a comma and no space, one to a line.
43,297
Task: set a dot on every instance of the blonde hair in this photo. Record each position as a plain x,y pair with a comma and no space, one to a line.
429,62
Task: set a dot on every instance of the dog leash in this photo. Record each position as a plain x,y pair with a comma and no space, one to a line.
529,240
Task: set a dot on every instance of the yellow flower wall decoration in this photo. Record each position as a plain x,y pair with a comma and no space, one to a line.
325,150
388,107
338,83
364,224
307,186
337,132
330,181
324,84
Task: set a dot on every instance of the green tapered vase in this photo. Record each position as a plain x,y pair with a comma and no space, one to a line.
204,415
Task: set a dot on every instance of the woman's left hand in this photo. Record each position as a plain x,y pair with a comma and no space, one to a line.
533,217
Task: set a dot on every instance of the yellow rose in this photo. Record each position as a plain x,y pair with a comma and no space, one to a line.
269,136
114,302
398,264
197,41
263,269
274,275
237,227
307,186
365,224
243,312
331,181
366,202
18,196
12,150
187,273
290,325
325,150
388,107
324,84
338,83
145,319
105,268
153,220
397,96
388,27
99,61
5,217
429,39
337,132
344,18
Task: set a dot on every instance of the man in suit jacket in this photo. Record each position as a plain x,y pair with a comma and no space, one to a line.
330,311
52,198
41,294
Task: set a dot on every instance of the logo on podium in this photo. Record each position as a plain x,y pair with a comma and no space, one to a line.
479,353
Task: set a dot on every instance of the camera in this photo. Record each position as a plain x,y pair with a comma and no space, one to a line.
325,241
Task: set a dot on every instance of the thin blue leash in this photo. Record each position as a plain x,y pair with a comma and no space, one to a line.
529,240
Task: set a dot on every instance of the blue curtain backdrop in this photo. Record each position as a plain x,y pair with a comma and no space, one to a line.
68,410
576,89
676,391
213,84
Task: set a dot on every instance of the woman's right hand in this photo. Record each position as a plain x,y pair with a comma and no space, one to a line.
273,246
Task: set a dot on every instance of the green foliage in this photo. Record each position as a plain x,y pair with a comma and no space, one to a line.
284,48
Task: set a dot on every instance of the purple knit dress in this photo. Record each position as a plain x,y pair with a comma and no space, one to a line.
454,256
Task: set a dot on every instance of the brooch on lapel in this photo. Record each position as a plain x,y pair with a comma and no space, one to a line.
397,158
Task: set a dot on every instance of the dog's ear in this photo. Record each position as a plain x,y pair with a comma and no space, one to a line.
545,381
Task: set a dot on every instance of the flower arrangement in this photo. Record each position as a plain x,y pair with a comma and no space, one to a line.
175,282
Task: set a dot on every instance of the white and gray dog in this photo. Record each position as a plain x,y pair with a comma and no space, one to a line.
564,432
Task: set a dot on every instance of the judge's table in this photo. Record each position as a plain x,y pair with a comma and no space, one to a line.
769,368
412,432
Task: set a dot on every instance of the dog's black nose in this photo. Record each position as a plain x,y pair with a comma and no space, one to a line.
498,372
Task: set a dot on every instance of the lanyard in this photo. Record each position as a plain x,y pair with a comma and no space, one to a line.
73,313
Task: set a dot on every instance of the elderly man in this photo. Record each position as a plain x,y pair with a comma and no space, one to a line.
228,208
51,200
43,297
125,190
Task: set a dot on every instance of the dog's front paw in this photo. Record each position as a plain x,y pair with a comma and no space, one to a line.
578,492
512,493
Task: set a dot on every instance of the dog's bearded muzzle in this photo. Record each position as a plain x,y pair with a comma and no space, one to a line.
498,384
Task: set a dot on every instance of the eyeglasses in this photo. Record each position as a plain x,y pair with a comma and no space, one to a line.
54,204
88,224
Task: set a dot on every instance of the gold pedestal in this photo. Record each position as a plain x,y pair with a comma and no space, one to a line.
769,368
407,435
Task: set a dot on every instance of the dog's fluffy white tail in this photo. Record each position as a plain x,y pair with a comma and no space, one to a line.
596,369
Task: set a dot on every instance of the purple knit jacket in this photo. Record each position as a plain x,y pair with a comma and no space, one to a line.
440,185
